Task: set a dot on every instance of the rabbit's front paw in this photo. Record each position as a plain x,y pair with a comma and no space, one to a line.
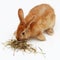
41,37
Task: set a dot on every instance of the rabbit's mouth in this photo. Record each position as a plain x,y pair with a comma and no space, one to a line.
20,39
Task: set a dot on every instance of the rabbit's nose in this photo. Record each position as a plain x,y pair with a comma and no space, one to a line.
18,39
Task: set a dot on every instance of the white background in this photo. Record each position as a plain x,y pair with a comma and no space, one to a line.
9,22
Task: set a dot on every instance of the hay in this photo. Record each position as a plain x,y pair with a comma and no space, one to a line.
20,45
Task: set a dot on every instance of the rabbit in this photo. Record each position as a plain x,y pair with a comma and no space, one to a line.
40,19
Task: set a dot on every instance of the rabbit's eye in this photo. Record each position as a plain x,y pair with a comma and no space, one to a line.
23,33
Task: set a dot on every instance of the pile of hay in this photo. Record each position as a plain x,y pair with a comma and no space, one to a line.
20,45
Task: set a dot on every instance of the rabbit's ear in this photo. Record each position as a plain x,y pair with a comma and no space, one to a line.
21,15
31,21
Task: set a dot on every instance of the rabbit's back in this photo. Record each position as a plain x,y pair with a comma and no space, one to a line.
39,11
44,17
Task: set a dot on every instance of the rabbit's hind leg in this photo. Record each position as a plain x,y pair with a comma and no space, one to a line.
49,31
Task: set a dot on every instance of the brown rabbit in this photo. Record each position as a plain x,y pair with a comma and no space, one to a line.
39,20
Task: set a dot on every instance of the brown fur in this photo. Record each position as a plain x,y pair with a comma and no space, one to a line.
40,19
